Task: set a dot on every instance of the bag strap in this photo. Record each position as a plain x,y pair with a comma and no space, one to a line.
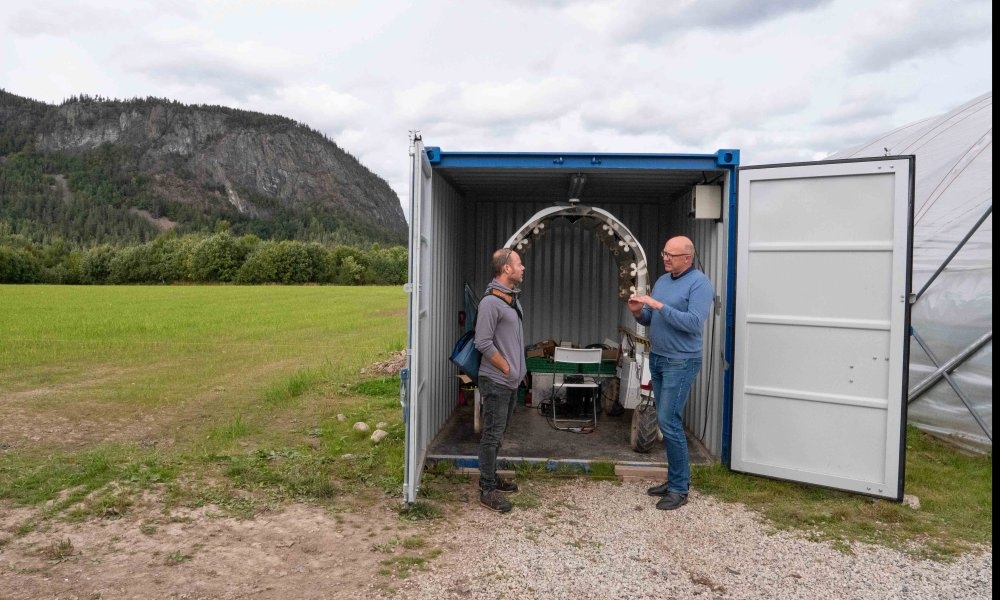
507,298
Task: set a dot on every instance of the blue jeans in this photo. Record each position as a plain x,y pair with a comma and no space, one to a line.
672,379
498,407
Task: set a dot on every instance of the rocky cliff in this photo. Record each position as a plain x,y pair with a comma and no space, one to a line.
227,161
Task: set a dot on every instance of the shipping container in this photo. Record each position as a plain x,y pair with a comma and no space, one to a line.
806,351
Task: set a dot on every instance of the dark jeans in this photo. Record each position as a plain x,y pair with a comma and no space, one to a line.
498,407
672,379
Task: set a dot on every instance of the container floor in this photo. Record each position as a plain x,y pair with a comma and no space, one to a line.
531,437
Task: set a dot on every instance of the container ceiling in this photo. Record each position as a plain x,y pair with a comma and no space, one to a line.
620,185
640,178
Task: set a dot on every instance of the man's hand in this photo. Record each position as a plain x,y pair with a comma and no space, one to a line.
636,302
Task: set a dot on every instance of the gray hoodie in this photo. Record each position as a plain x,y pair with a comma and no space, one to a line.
499,329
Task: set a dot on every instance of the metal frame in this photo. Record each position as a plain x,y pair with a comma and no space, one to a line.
577,356
944,370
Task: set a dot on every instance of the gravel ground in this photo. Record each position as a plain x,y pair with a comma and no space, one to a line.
589,539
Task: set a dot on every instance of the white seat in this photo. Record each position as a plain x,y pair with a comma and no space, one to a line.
576,357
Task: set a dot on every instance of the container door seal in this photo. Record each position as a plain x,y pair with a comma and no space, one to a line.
821,329
413,379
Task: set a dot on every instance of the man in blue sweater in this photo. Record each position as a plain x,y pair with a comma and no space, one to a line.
500,339
675,313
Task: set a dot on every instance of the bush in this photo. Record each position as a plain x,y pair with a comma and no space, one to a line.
66,272
284,262
164,260
172,258
18,265
95,266
219,257
388,266
199,258
348,266
133,264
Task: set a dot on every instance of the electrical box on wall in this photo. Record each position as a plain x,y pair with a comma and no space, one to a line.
706,202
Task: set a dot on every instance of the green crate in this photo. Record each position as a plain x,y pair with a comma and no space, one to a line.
547,365
606,367
539,365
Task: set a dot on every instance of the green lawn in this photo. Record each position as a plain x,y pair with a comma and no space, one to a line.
230,395
242,383
195,335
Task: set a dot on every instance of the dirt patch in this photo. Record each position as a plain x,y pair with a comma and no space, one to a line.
299,551
67,196
358,548
39,417
161,223
389,367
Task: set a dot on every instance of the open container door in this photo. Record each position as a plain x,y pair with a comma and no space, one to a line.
821,323
413,379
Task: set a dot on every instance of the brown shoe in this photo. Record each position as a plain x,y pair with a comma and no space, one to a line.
505,485
494,500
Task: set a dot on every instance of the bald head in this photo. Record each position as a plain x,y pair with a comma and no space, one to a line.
683,243
678,255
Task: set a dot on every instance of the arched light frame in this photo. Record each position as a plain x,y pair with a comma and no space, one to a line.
633,275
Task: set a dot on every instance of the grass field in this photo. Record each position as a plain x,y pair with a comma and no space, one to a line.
99,383
230,395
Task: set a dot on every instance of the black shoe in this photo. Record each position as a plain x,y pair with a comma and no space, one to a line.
658,490
494,500
505,485
672,501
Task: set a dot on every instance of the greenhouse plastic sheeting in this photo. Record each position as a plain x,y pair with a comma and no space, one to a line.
954,189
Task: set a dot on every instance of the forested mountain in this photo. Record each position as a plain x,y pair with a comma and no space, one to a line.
91,171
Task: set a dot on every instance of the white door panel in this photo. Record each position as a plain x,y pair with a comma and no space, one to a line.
821,318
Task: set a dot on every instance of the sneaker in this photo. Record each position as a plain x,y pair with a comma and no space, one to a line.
672,501
494,500
658,490
506,486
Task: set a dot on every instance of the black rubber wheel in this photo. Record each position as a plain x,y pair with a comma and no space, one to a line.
609,398
645,429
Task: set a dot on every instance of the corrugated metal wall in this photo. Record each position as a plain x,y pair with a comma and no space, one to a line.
703,413
570,290
445,214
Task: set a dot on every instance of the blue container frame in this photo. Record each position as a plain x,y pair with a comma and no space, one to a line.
727,159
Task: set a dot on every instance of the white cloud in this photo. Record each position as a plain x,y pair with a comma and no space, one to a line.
779,79
645,22
236,70
488,103
74,19
904,32
321,107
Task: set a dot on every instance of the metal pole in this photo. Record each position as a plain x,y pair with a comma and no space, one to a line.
945,370
960,245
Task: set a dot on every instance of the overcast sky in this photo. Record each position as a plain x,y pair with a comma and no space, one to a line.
781,80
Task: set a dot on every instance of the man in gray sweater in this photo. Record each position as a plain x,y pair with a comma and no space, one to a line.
500,339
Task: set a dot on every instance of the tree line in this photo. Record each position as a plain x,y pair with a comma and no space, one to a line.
94,200
199,258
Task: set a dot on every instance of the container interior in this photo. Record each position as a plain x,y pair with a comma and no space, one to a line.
571,290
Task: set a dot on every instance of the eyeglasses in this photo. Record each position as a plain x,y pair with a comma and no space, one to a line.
667,254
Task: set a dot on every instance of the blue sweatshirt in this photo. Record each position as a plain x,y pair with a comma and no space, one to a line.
675,330
499,329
